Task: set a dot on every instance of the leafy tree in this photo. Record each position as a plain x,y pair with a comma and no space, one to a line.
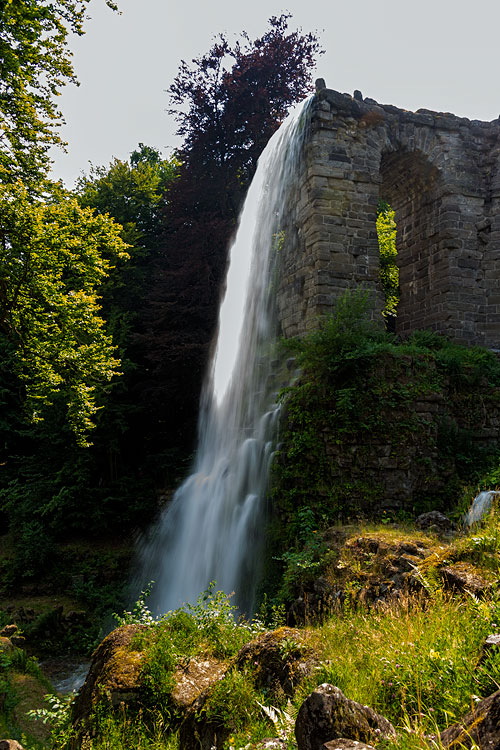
133,193
54,257
227,114
47,479
35,63
136,194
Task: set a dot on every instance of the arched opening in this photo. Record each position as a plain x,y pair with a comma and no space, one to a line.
411,186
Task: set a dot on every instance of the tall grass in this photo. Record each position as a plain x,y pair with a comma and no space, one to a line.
416,661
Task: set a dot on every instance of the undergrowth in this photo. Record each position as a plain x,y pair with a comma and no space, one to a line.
415,659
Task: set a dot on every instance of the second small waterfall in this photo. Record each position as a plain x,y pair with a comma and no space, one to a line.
212,529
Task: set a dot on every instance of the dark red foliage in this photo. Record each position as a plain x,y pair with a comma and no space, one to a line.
228,103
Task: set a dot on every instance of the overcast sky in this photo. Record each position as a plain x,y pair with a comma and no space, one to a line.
437,54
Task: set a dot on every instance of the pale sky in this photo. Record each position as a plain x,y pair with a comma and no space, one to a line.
437,54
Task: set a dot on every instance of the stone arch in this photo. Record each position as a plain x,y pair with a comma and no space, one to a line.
441,173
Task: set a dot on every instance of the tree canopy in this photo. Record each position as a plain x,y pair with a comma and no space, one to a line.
54,257
35,63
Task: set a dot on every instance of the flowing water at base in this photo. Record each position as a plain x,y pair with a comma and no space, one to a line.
213,528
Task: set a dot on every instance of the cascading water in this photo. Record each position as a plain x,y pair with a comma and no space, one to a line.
212,529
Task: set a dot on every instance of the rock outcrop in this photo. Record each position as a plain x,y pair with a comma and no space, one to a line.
381,570
463,576
479,728
114,673
280,660
327,714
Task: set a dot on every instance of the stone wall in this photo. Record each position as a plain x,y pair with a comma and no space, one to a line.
441,174
399,432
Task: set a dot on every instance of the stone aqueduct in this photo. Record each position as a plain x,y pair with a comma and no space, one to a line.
440,173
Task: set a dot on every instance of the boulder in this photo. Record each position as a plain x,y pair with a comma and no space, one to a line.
343,744
280,660
10,745
480,727
197,732
29,693
115,676
434,521
327,714
463,577
195,678
114,673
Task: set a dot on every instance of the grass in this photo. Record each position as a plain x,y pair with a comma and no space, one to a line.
414,659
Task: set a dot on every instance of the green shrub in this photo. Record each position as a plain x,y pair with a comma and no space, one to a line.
233,701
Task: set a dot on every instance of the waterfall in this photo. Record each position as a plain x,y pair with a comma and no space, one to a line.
480,506
213,527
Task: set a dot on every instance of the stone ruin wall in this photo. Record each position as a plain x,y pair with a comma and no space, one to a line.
440,173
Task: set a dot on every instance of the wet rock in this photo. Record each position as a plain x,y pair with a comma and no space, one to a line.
343,744
327,714
479,728
279,659
434,521
463,577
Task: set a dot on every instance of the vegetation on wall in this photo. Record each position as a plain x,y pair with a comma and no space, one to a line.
389,271
357,392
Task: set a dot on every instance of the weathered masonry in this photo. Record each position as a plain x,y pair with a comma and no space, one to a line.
441,175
